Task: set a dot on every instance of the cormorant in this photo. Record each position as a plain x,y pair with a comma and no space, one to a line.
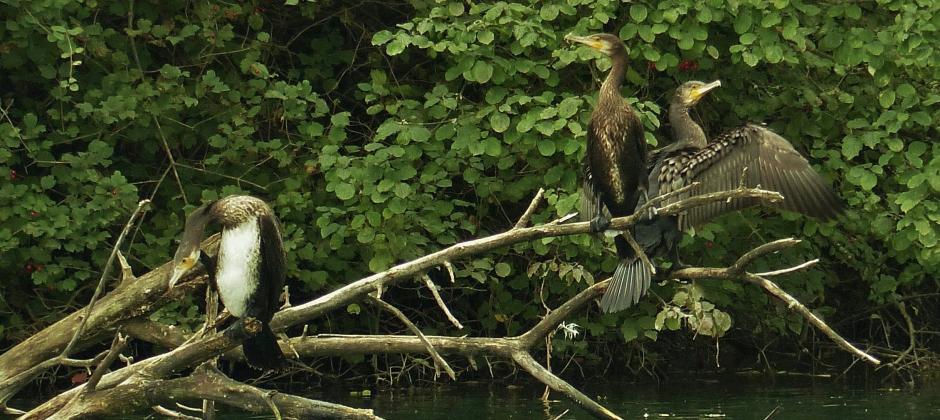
249,273
615,168
747,156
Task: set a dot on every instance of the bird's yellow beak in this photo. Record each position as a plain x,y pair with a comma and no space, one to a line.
180,268
699,92
590,41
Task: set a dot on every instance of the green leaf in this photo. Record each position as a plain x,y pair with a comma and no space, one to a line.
485,37
628,331
773,54
547,147
344,191
851,146
47,182
743,21
381,37
499,122
886,98
481,71
395,47
503,269
549,12
868,181
492,147
638,12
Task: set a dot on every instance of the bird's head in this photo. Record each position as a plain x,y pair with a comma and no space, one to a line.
182,263
609,44
188,252
691,92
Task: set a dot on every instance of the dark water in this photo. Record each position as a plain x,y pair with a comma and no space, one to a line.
726,399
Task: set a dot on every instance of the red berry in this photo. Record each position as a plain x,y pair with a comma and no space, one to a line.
38,267
651,65
12,175
688,65
29,268
34,213
709,244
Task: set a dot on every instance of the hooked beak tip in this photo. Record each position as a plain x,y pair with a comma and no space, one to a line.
175,278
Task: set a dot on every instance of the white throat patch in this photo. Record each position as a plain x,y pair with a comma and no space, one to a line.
237,275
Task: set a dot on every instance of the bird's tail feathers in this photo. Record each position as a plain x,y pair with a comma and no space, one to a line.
262,351
631,281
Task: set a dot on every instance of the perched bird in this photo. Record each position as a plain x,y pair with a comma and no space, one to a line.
748,156
249,268
615,168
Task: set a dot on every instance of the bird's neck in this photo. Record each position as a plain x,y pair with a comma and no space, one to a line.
618,68
685,130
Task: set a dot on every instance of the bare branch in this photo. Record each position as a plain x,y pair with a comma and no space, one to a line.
736,271
439,362
450,270
127,274
799,267
911,336
638,250
173,414
524,219
440,301
698,200
355,290
527,363
768,248
794,304
104,276
117,345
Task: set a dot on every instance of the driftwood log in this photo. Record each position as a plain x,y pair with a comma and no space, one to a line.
149,383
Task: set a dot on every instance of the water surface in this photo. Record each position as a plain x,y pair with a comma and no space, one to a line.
729,398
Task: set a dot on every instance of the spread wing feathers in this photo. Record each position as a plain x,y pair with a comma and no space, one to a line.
273,266
631,281
592,204
751,156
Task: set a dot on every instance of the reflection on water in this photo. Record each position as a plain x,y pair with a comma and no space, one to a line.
729,398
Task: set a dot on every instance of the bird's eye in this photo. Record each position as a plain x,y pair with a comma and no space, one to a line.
187,261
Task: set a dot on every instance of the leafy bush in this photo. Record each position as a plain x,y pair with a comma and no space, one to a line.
381,132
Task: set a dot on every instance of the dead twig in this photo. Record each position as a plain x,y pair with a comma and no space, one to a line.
104,276
117,345
524,219
736,271
799,267
439,362
440,302
159,409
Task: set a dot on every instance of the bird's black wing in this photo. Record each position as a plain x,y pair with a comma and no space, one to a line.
749,156
592,204
272,266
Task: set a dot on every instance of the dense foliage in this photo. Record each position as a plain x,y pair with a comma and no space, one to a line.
381,131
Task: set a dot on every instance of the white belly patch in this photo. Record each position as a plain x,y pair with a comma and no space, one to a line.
237,275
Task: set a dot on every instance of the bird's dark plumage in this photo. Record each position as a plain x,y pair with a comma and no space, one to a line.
614,169
771,161
249,270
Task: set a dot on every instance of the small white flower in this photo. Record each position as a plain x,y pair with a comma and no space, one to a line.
570,330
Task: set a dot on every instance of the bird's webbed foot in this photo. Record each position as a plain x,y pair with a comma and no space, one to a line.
600,223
